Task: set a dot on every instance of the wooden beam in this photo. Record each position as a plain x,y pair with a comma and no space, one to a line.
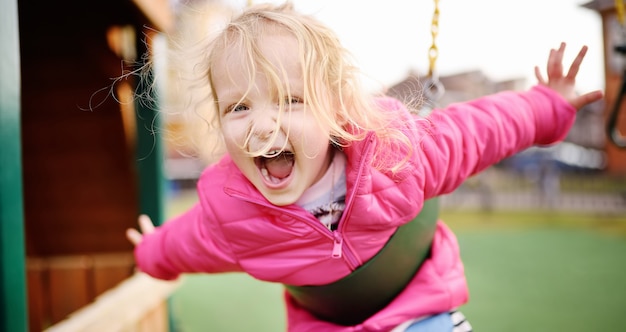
159,12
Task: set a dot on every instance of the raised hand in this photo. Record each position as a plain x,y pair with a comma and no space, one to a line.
145,225
565,85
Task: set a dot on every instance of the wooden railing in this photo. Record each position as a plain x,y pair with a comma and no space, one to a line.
96,292
139,304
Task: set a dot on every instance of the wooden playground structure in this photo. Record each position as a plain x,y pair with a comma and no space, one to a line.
76,170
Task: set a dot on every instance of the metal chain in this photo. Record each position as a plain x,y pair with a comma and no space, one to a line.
433,52
433,88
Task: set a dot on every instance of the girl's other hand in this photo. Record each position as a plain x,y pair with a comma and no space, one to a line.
145,225
565,85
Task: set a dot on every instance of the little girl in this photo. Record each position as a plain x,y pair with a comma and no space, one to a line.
322,183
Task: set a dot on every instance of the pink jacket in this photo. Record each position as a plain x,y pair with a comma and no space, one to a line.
233,227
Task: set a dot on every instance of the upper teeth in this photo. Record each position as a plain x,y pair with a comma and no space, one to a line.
273,153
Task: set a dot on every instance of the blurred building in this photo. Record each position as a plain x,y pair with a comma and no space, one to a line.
583,147
457,87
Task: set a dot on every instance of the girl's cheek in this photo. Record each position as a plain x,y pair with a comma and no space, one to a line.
229,139
316,147
229,131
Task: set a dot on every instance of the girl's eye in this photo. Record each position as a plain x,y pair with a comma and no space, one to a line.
237,108
293,100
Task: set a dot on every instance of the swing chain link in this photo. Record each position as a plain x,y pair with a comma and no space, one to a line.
433,52
433,87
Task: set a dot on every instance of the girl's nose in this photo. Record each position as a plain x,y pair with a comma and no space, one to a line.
264,123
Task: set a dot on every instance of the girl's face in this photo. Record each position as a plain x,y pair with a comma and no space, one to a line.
295,154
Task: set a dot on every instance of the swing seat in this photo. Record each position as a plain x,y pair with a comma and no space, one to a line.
371,287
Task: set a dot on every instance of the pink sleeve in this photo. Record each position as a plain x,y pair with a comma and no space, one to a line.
466,138
187,243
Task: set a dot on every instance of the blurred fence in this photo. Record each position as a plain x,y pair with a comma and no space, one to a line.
503,189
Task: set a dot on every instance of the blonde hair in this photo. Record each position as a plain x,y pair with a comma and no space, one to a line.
331,82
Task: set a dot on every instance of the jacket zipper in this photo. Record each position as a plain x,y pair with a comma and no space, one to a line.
353,261
337,246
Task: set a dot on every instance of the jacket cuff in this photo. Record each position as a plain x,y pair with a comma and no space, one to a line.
555,115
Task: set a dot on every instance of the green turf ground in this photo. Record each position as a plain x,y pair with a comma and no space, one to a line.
526,272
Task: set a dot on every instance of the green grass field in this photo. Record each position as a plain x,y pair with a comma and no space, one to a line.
526,272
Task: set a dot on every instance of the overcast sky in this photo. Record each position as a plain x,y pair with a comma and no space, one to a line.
504,39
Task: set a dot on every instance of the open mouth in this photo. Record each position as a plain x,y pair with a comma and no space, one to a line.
276,165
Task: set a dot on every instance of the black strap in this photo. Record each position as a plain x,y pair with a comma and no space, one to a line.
371,287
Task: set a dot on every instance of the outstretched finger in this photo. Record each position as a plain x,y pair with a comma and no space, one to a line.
555,62
539,76
573,69
133,236
145,224
586,98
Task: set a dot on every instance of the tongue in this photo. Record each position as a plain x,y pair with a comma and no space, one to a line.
280,167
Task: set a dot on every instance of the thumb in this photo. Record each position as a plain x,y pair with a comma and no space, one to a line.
586,99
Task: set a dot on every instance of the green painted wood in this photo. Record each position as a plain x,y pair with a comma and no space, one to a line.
13,308
149,147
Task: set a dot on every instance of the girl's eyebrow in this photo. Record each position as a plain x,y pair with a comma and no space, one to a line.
230,95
